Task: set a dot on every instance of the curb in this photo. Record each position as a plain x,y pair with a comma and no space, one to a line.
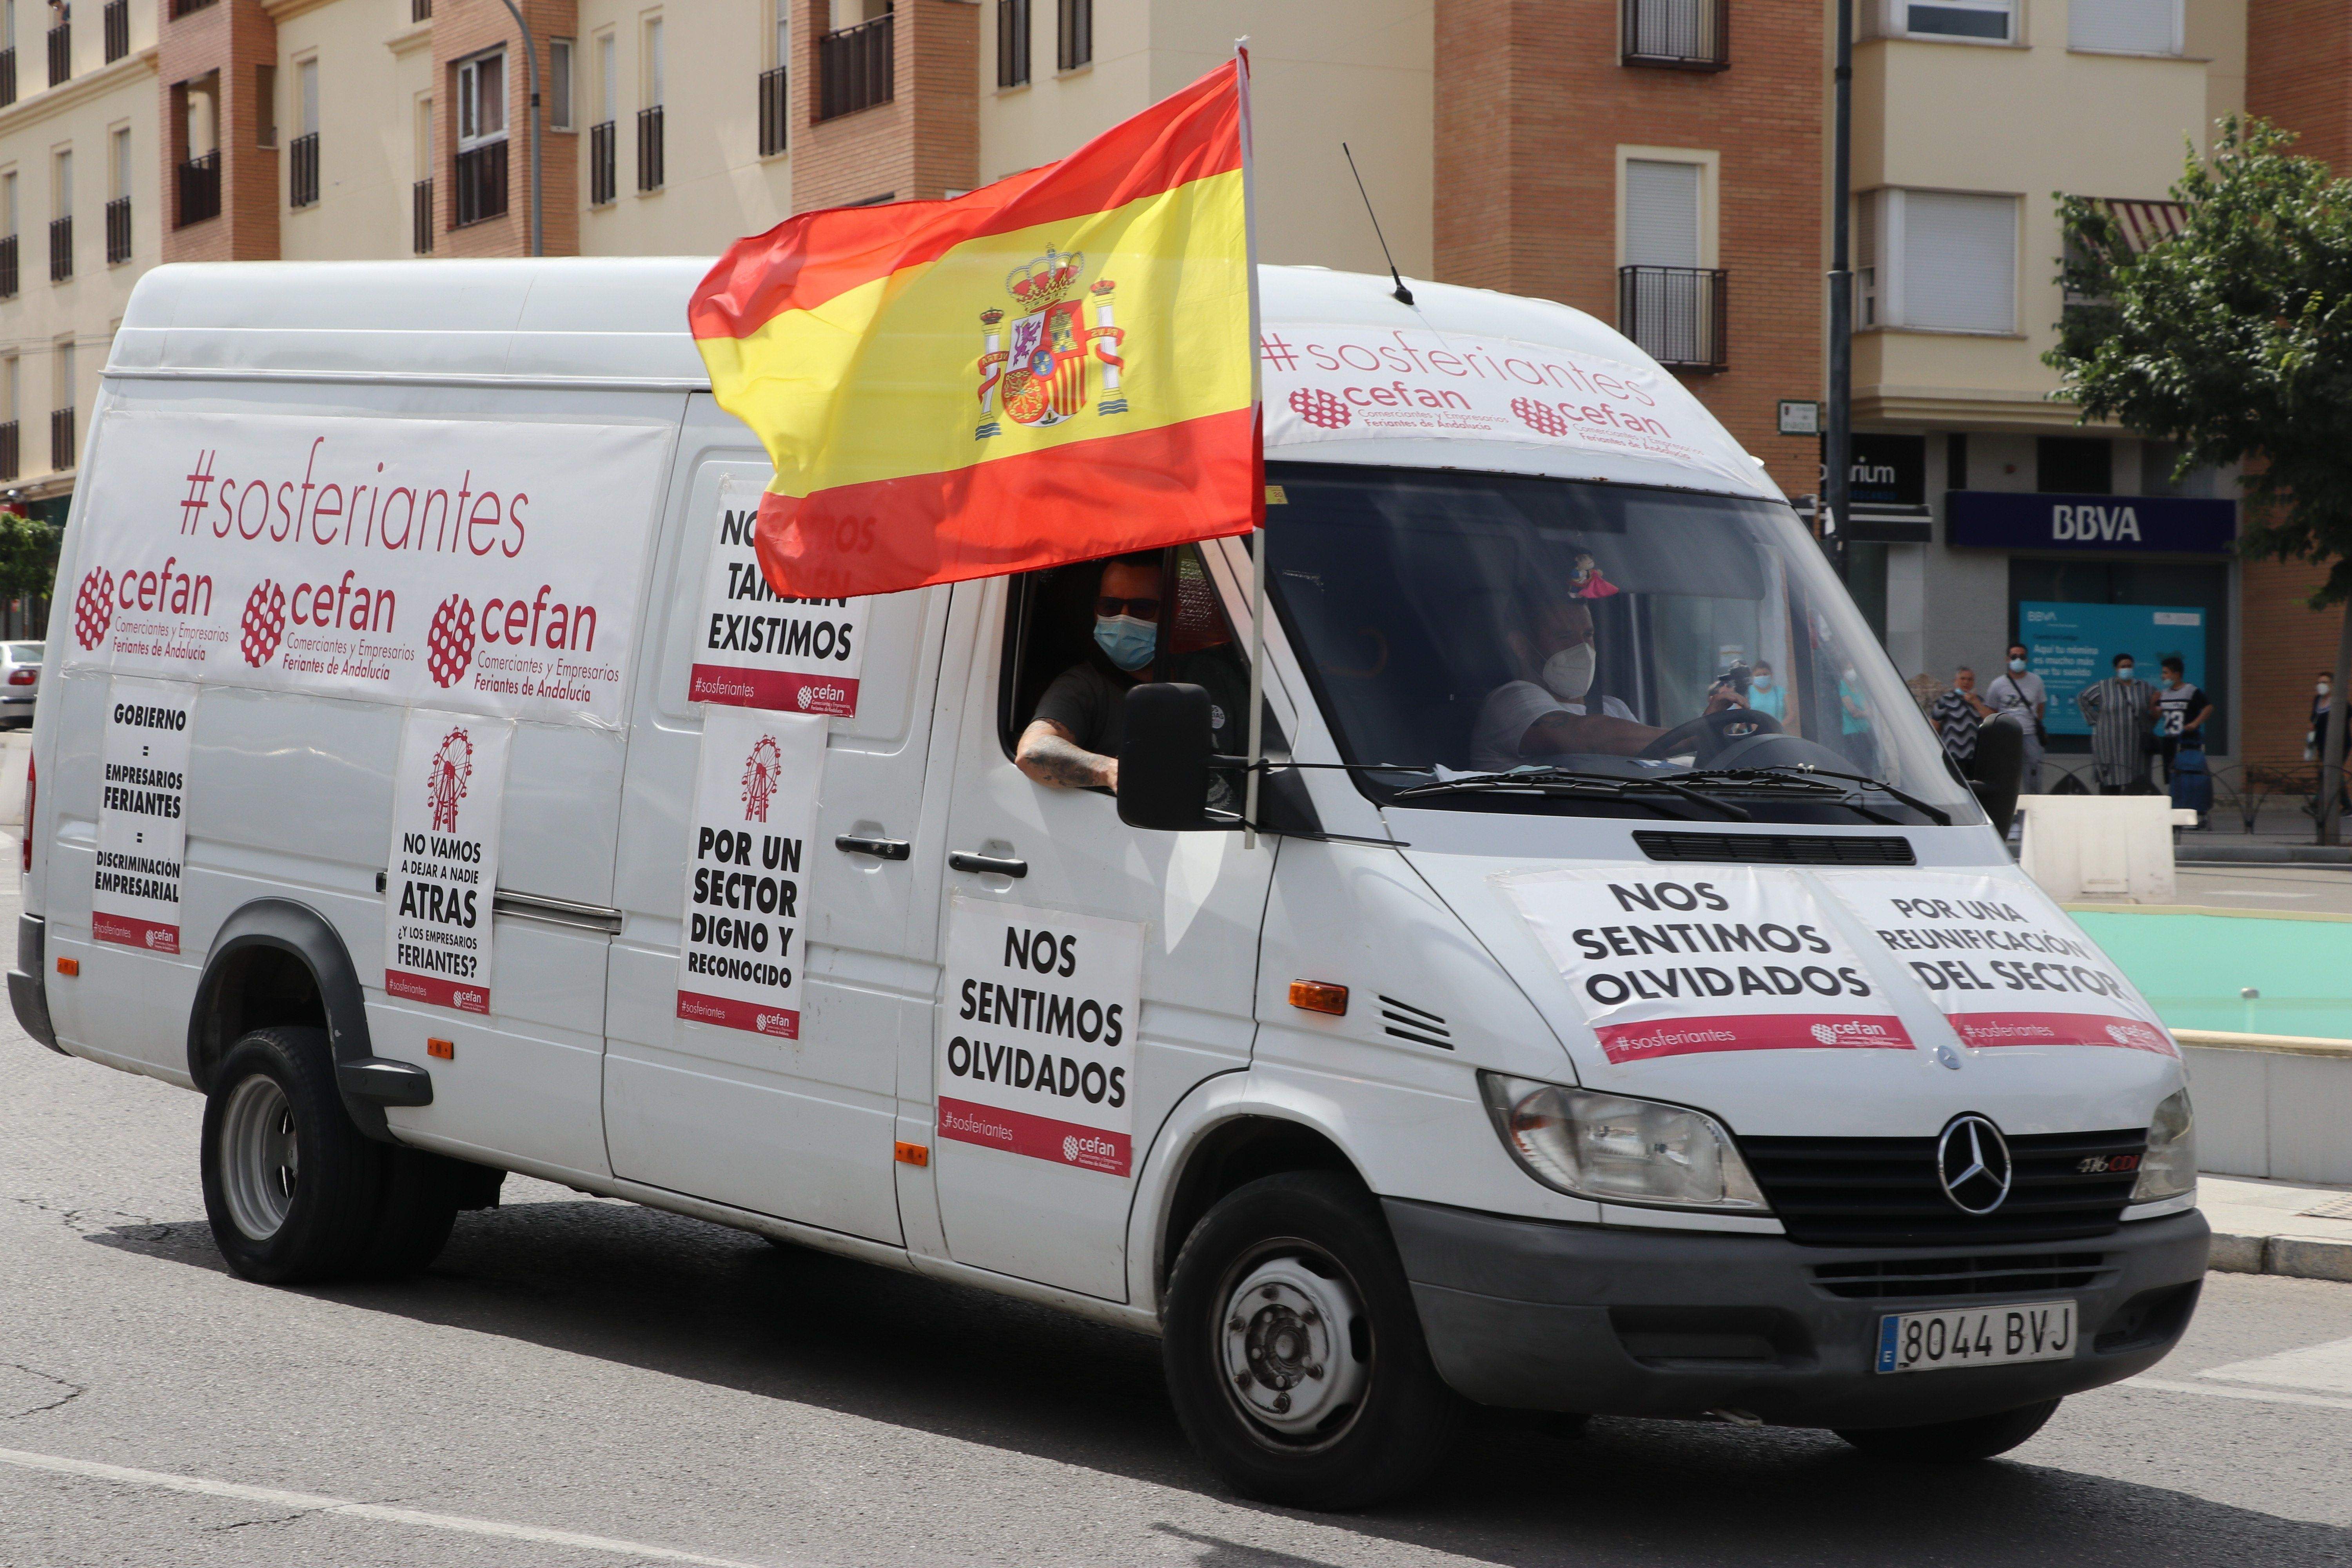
2295,1256
2263,854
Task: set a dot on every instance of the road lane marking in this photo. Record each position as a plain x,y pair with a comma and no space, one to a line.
2327,1368
310,1503
2264,1396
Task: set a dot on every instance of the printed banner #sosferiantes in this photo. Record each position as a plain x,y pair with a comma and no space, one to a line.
1736,959
142,825
755,649
448,798
746,884
477,567
1037,1036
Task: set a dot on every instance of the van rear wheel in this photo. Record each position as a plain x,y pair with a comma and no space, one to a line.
1954,1442
1294,1352
292,1189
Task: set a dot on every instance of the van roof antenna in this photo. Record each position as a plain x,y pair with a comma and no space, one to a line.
1403,294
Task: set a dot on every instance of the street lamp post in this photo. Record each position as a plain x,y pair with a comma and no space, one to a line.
1837,455
530,63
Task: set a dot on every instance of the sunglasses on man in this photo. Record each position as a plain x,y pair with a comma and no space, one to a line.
1110,606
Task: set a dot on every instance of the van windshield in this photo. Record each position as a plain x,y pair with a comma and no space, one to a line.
1525,644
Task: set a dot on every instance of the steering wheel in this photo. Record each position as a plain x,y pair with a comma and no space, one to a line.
1711,732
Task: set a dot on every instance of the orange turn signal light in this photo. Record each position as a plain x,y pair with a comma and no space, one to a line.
445,1049
913,1154
1319,997
69,966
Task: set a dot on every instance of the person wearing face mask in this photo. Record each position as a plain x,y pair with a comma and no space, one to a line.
1764,693
2121,711
2315,738
2019,692
1547,710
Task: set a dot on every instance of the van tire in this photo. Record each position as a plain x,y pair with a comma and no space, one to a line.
1954,1442
419,1209
292,1188
1297,1242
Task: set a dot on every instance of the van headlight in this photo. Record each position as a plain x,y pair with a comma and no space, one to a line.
1615,1150
2170,1167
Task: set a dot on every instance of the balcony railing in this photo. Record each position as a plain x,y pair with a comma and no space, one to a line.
60,249
420,10
118,231
61,438
199,183
60,54
11,464
118,29
1680,34
603,164
649,148
303,171
420,217
7,76
774,109
481,187
10,282
854,68
1675,314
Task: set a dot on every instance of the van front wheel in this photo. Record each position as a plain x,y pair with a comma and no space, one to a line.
290,1186
1294,1352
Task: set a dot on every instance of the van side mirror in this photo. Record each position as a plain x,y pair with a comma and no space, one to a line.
1997,769
1163,758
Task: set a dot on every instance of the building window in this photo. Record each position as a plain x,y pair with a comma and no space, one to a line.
603,181
9,278
118,205
61,245
1077,46
1011,43
1983,21
479,186
1939,261
117,21
302,166
60,45
650,146
1680,34
11,447
2125,27
559,85
62,372
265,106
1668,300
421,214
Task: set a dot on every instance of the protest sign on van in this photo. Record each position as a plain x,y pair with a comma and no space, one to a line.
143,827
448,797
755,649
747,893
1037,1038
476,567
2001,960
1736,959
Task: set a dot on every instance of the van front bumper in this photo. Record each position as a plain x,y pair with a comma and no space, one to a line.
1533,1315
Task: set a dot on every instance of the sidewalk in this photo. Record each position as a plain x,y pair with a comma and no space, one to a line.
2265,1227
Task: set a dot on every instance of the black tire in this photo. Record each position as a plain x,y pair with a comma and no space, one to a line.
1382,1419
276,1088
421,1198
1953,1442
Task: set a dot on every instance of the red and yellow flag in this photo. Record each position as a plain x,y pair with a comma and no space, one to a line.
1053,368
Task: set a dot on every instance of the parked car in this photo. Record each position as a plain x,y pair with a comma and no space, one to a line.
20,680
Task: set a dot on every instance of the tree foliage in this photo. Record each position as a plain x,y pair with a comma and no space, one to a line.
2233,337
28,555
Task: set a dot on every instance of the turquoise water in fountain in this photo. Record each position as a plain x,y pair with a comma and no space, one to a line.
2193,967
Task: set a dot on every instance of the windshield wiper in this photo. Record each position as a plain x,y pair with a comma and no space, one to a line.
1570,781
1805,773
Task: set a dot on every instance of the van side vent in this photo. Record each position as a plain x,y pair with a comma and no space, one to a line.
1419,1024
1779,848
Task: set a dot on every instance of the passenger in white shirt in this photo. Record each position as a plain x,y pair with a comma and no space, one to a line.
1543,712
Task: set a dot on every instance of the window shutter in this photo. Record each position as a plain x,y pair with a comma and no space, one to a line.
1959,262
1661,213
2132,26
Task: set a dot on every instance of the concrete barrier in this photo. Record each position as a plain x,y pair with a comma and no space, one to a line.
2273,1106
2101,845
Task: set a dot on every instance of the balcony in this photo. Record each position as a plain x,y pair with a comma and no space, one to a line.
188,7
118,29
11,464
481,184
854,68
303,171
60,249
118,231
7,76
1675,314
1678,35
10,284
199,190
774,108
603,165
649,148
61,438
60,54
420,217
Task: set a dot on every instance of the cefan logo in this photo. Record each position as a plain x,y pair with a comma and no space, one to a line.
264,626
94,607
762,770
1072,1146
1825,1035
803,697
1321,409
1851,1029
449,641
445,777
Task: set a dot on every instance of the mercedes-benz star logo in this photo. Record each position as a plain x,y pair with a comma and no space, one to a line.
1972,1162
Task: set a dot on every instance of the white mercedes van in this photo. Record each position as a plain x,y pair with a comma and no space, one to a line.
1617,1005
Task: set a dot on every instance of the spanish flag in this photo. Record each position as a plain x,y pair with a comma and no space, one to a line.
1056,367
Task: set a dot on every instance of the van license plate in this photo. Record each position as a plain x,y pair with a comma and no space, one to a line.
1976,1336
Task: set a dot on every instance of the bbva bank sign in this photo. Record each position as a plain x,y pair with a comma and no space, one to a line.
1999,519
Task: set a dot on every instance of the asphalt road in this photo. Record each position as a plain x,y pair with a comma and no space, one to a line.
2309,890
575,1367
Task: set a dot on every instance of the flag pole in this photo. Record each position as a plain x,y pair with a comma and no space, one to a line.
1257,503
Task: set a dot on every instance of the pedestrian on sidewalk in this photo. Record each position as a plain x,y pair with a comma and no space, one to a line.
2181,709
2316,737
2019,692
2121,711
1956,715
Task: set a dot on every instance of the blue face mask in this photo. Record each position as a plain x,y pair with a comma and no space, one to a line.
1763,683
1125,641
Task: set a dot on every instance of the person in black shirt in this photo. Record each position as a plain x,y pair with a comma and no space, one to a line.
2182,711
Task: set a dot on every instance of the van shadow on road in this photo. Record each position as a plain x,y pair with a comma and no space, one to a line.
677,1297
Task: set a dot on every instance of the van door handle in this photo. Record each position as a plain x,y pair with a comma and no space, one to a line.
965,860
880,849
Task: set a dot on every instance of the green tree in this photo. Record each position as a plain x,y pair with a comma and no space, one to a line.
28,555
2233,337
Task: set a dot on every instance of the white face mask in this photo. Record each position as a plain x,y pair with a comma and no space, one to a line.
1568,674
2323,689
2017,667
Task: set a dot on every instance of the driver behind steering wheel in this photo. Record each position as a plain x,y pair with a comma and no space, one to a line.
1542,713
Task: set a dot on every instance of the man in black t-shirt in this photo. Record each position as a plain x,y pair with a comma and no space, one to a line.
2182,711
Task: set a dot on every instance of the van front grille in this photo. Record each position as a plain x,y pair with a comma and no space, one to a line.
1779,848
1884,1192
2016,1275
